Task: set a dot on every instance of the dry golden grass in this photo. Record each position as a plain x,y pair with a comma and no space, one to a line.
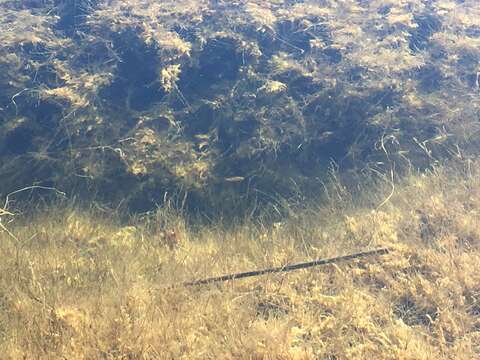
80,285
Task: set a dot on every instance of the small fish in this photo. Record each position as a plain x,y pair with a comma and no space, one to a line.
234,179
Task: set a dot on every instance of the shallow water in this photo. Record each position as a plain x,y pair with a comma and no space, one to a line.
136,102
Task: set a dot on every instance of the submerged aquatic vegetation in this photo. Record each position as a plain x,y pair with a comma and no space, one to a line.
85,284
130,99
248,108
